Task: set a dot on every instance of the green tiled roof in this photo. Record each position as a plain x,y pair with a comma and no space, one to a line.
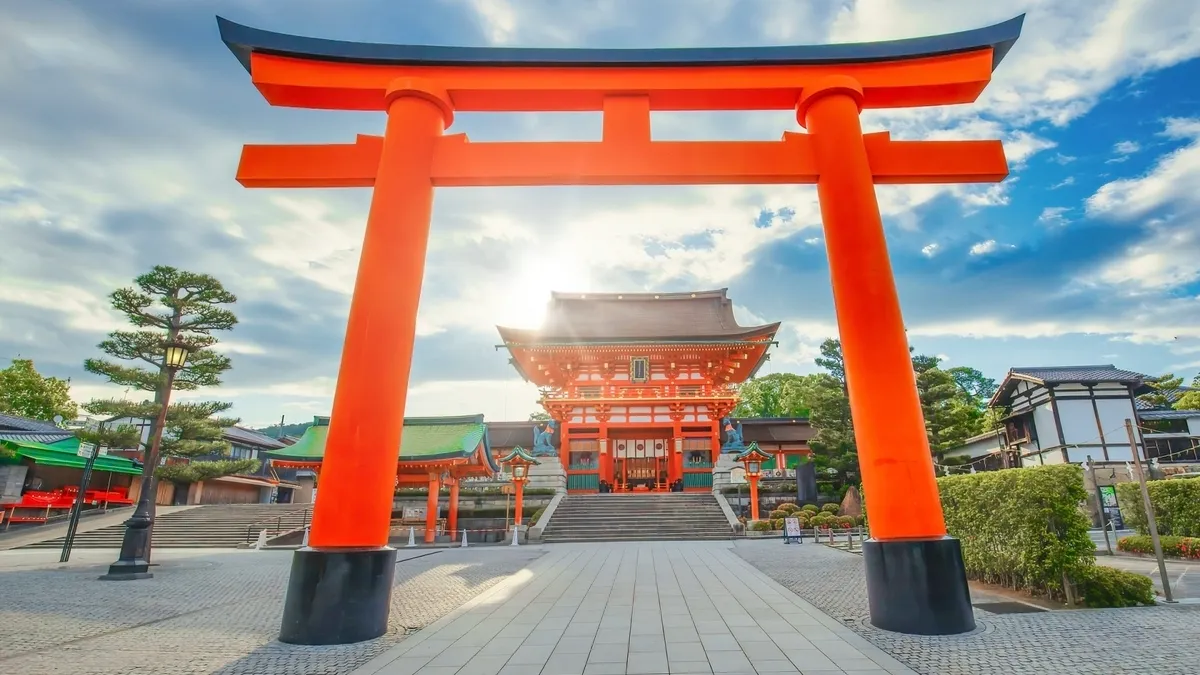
57,455
425,439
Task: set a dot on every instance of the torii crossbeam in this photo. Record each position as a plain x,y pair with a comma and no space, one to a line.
340,587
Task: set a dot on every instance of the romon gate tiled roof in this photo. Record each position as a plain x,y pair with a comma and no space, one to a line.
1064,374
424,439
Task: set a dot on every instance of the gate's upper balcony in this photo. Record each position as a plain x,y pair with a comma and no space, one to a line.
306,72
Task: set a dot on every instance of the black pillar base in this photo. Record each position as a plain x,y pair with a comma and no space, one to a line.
133,561
918,586
338,596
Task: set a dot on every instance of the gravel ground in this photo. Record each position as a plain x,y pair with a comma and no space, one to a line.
1160,640
213,613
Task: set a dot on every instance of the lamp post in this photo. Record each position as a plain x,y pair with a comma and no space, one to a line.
519,461
752,459
134,560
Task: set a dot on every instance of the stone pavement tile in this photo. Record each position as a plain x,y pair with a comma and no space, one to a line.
672,620
406,665
717,627
518,631
456,655
730,662
680,634
430,648
746,634
855,665
438,670
646,643
791,641
531,655
836,649
604,668
701,667
573,645
646,628
764,667
763,651
484,665
581,629
609,654
815,633
732,620
499,647
565,664
714,643
685,651
542,638
810,659
610,635
646,663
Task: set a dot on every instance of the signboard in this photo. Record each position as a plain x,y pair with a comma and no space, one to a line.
1112,510
1108,496
413,513
12,479
791,530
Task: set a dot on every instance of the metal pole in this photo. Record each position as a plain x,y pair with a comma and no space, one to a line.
77,507
1150,521
1099,504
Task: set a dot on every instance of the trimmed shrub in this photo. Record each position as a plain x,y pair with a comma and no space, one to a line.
845,522
777,523
1020,528
1176,506
1174,547
860,520
788,507
831,508
761,526
1101,586
811,508
536,516
777,513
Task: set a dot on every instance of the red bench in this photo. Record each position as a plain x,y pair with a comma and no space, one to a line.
36,506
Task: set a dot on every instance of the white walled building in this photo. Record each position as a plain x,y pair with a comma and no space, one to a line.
1063,414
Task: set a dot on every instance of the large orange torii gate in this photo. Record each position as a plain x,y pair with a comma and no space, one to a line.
340,586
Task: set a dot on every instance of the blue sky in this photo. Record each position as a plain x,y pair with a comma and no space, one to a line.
122,122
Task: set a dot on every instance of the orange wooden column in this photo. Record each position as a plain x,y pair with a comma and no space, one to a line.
893,451
431,508
368,404
452,518
753,497
518,502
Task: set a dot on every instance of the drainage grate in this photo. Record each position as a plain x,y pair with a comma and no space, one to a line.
1008,608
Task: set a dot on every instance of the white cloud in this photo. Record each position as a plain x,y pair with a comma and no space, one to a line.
1126,147
984,247
931,249
1054,216
1062,159
1172,179
1069,180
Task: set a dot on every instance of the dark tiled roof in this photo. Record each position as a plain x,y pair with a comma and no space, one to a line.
700,316
776,429
26,424
251,437
1065,374
34,436
1167,414
510,434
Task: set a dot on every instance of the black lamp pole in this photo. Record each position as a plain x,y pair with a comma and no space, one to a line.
134,560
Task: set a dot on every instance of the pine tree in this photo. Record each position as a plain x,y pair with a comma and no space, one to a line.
169,306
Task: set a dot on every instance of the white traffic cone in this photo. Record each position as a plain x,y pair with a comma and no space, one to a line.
464,540
412,538
262,540
516,535
305,542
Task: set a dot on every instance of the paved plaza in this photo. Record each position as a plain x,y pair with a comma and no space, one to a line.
1162,640
638,608
569,609
207,611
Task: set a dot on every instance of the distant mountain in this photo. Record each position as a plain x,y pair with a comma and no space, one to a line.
287,429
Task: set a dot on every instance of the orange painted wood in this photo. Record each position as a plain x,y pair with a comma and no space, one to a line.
331,85
893,450
460,162
359,467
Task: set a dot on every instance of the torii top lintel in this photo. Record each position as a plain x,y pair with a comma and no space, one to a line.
306,72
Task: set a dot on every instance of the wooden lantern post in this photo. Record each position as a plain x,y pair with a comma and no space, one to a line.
752,459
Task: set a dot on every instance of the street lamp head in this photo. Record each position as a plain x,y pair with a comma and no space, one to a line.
519,472
752,468
175,356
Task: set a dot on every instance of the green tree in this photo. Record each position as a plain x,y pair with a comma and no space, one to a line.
1190,400
777,395
539,416
1163,390
170,306
834,445
952,413
974,385
25,393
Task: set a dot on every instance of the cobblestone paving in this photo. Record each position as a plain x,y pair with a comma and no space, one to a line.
1160,640
218,613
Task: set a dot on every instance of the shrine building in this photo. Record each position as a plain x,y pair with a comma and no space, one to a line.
639,385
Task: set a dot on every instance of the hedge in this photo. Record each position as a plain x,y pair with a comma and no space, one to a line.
1176,506
1101,586
1021,528
1172,546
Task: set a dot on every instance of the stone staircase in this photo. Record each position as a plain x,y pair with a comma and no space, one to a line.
638,517
215,526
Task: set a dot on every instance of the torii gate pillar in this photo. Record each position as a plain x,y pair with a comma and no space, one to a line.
341,584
